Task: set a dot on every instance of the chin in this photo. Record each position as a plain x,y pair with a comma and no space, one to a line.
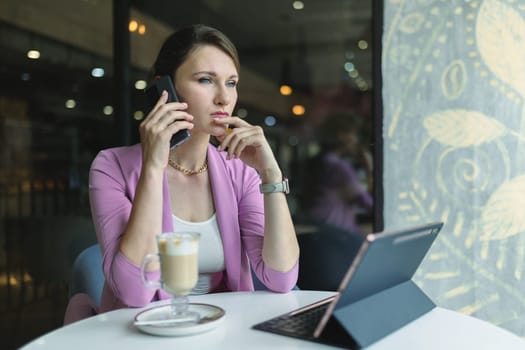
218,131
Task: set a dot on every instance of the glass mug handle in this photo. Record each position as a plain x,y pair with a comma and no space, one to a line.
150,284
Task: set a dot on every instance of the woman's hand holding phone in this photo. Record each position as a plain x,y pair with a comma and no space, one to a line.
153,93
156,130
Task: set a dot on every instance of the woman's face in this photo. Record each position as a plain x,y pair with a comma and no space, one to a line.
207,82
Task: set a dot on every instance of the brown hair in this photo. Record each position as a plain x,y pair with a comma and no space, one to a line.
181,43
335,124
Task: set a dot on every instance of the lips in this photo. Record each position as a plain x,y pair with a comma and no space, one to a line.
220,114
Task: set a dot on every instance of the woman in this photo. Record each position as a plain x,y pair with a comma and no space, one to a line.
139,191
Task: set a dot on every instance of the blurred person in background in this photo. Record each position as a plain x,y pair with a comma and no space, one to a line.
336,188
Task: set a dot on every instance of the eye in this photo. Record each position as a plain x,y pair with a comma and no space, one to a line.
231,83
205,80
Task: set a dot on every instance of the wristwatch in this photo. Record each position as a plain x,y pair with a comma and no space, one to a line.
282,186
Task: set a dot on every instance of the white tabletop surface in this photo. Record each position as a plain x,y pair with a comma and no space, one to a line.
438,329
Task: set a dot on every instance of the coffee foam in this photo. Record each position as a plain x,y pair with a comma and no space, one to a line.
176,246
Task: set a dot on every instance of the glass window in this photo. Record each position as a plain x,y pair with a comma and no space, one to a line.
306,77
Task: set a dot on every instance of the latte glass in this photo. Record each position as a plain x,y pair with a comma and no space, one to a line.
179,271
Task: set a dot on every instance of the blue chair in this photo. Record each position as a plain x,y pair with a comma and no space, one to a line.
257,284
87,276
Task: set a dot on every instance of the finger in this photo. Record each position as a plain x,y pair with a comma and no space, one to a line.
236,122
172,106
166,115
240,147
232,122
162,99
239,139
154,128
179,125
173,116
166,133
160,102
253,136
161,109
225,139
228,129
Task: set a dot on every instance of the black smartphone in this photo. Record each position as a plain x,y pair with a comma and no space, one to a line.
153,94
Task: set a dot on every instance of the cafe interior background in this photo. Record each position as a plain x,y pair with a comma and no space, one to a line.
434,87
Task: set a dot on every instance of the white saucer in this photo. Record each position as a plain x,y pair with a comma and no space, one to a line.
211,317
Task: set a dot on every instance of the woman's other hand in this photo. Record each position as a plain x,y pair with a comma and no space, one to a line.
248,143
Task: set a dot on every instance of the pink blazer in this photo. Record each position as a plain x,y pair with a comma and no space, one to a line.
240,215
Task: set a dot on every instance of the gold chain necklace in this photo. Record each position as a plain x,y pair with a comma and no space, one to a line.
185,171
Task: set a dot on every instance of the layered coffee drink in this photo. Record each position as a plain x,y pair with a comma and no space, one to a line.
179,264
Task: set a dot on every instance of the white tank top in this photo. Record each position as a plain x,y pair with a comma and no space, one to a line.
211,252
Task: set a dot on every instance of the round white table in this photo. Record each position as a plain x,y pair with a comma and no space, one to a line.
438,329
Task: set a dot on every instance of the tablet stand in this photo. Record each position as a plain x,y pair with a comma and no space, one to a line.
372,318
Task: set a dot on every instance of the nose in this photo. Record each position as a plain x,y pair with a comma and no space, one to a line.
222,96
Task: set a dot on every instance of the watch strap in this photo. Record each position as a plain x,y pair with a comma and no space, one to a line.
276,187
